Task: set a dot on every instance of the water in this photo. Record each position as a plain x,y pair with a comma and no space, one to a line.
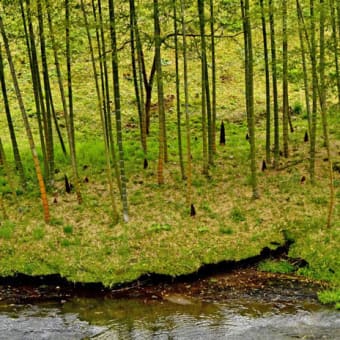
178,317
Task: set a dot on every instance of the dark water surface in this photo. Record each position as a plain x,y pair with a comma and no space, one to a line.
240,305
82,318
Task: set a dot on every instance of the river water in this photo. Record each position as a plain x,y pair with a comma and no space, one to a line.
240,305
102,318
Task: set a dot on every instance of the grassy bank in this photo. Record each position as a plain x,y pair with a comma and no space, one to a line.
81,243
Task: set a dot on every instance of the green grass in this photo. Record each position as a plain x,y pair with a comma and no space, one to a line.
280,266
6,230
329,297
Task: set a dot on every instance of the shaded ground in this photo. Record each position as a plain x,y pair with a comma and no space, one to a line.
219,282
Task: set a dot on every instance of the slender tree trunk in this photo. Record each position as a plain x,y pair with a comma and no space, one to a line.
249,83
213,76
35,74
115,75
70,116
105,88
267,75
335,46
15,148
102,118
314,93
187,118
48,114
205,81
322,97
162,143
285,107
136,74
274,81
27,125
64,102
178,99
304,63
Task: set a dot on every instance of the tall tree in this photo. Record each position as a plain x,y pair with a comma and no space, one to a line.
206,101
136,72
48,105
186,105
213,77
16,153
335,42
312,53
267,75
105,87
285,106
322,97
274,84
301,27
116,88
178,99
26,123
160,92
69,115
249,83
64,101
36,83
101,108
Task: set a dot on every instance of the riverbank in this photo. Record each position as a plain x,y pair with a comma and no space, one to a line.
223,281
81,243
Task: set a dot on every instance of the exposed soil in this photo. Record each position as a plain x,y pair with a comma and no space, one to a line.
223,281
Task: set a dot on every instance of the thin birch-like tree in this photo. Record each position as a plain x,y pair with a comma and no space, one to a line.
249,84
267,76
37,167
178,99
101,108
274,84
117,107
15,148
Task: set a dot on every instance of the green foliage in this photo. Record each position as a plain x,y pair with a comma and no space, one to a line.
56,221
226,230
281,266
330,297
203,229
237,215
68,229
297,108
156,228
6,230
38,233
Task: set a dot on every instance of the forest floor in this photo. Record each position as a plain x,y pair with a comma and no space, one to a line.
82,245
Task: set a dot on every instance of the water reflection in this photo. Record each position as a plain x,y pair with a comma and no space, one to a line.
136,319
104,318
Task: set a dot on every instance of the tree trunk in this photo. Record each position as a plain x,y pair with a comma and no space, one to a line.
267,75
27,125
249,83
16,153
178,99
274,81
285,106
205,82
